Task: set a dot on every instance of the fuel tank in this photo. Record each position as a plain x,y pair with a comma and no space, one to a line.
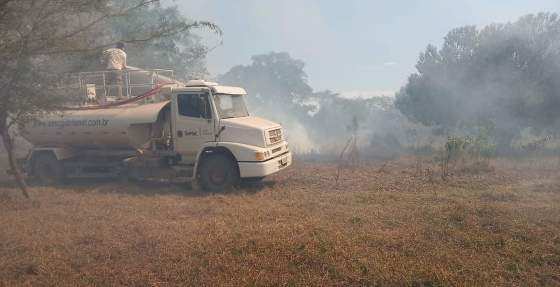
120,127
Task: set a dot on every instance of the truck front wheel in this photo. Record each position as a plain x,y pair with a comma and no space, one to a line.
47,169
217,173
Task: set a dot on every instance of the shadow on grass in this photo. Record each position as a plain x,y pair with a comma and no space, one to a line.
142,188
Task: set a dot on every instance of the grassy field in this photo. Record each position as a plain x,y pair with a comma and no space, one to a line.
376,227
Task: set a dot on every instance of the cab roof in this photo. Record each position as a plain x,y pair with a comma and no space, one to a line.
215,87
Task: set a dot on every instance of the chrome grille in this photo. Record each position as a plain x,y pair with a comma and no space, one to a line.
275,136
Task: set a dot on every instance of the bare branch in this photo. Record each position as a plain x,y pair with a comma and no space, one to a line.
104,17
159,34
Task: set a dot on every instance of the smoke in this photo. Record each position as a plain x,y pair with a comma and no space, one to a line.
295,131
331,121
501,78
318,122
297,136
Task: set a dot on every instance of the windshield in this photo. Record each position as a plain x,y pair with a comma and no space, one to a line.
231,106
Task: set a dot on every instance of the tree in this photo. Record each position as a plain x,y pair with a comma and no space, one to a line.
182,52
278,89
41,38
274,81
506,73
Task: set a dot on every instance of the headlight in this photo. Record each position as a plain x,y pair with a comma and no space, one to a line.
260,156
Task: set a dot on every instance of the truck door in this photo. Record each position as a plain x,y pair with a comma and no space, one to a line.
194,123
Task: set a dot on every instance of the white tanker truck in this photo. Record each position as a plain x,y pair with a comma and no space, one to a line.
199,131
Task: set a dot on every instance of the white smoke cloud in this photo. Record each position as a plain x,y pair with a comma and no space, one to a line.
367,94
299,139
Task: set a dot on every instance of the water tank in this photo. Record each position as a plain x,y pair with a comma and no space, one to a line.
121,127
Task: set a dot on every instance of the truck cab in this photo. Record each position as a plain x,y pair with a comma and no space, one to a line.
214,132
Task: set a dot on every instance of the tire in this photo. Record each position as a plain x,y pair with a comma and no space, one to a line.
47,170
218,173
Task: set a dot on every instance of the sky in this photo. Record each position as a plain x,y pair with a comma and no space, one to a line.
358,48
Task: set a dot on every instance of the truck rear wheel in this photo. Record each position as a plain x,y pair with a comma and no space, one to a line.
218,173
47,169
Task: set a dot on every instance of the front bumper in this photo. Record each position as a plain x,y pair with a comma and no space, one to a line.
265,168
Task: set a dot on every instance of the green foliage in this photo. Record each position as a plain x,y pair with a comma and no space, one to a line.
177,49
456,146
483,145
479,147
273,79
62,37
471,151
504,72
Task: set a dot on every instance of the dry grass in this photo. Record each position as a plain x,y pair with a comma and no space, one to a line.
375,228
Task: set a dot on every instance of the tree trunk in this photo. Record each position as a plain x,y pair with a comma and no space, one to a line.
8,145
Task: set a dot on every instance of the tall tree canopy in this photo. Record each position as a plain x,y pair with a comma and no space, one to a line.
182,52
273,80
504,73
277,87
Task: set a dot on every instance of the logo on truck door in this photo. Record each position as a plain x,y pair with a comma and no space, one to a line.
196,132
191,132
